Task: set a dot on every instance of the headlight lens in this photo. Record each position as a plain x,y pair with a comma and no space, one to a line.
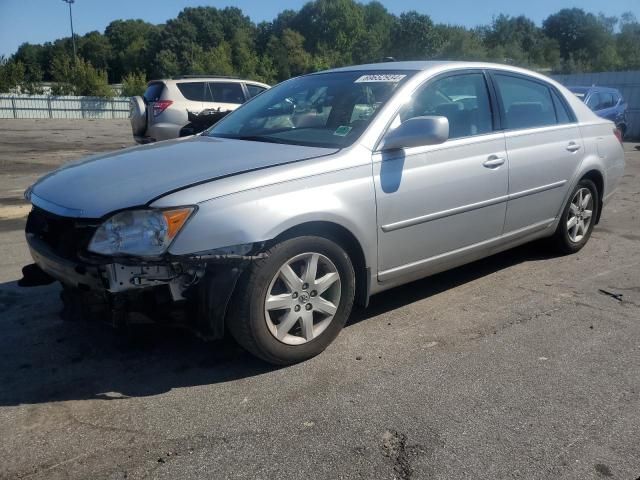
139,232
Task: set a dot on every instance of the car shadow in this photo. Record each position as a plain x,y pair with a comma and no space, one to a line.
435,284
45,359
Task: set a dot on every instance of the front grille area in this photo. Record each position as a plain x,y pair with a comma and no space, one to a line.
66,236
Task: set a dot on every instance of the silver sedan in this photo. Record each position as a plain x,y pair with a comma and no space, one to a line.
319,193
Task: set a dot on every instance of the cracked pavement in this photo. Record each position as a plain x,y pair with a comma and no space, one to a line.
522,365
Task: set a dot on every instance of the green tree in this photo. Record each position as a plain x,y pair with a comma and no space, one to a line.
375,41
166,64
11,74
289,56
78,77
585,41
628,41
414,37
459,43
32,58
131,44
330,33
243,53
95,48
213,61
134,84
331,28
515,40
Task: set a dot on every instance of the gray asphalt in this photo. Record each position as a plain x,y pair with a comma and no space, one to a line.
517,366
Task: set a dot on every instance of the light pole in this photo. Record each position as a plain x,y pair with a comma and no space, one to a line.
73,38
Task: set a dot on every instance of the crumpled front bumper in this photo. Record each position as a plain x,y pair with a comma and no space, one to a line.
104,277
205,281
68,272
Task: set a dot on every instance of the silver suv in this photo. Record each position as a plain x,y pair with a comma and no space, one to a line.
321,192
162,111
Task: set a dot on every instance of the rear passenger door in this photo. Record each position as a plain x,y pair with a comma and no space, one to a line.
544,147
224,95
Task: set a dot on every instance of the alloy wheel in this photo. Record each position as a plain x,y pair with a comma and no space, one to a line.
580,215
302,298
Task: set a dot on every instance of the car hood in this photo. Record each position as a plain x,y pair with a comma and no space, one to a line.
101,184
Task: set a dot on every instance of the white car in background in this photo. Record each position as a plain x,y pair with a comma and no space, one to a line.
163,110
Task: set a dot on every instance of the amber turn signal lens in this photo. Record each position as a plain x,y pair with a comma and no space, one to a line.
175,220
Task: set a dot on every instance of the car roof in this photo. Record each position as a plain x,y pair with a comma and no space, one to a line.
190,79
594,88
411,65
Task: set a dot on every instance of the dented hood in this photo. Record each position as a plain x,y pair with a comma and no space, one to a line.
103,183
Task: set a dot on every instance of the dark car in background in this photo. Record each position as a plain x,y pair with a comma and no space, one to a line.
606,103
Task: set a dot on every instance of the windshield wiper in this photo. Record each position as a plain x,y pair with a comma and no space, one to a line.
257,138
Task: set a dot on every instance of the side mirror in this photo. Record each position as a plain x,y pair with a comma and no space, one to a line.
417,132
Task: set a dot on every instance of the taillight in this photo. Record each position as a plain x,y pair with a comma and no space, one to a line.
160,106
618,133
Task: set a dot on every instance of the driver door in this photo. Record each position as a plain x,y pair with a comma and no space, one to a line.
436,205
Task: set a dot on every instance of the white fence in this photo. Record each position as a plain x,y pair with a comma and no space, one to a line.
627,82
50,106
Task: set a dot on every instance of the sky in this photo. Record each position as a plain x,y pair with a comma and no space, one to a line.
38,21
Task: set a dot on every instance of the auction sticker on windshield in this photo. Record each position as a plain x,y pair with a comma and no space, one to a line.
390,78
342,130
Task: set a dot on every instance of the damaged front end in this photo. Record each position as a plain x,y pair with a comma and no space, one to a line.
192,290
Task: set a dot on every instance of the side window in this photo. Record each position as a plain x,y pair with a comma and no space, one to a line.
463,99
594,102
254,90
526,103
223,92
616,99
607,100
561,109
192,90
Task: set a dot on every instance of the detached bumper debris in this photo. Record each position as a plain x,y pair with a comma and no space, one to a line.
617,296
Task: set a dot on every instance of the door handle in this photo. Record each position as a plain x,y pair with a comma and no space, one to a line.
573,147
494,161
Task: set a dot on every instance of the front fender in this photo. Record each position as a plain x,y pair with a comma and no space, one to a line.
344,197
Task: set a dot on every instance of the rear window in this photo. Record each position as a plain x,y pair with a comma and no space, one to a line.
192,91
223,92
254,90
153,92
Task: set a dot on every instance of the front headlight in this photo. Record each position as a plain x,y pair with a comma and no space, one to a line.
139,232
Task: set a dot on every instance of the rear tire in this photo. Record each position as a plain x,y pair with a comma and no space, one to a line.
291,305
578,218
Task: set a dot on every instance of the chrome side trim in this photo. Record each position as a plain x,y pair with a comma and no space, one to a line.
444,213
533,191
468,208
432,262
54,207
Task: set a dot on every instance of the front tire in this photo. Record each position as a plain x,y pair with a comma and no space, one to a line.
292,304
578,218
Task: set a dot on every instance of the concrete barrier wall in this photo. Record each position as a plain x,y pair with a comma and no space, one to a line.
627,82
49,106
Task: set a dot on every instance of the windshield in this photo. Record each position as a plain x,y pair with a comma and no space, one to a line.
322,110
